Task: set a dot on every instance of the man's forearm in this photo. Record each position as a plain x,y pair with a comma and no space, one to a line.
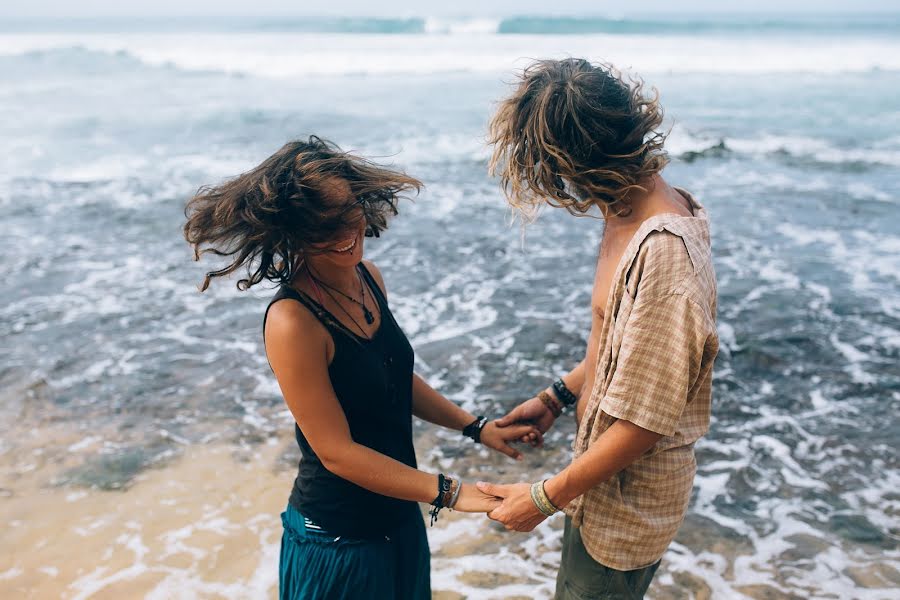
574,380
615,449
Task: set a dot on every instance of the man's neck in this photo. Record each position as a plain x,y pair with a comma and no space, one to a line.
659,198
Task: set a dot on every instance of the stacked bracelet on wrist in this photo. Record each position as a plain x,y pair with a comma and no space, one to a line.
456,491
541,500
551,403
473,429
564,394
448,495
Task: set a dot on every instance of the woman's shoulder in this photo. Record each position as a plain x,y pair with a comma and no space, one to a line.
288,317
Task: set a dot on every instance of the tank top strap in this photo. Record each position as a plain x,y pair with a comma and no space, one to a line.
328,320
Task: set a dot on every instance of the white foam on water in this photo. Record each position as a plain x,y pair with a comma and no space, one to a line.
76,496
461,26
870,255
49,571
185,583
90,584
854,358
794,474
531,567
286,54
87,442
11,573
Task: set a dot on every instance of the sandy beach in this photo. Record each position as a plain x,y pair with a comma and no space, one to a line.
204,524
146,450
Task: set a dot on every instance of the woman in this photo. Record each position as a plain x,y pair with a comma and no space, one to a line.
352,527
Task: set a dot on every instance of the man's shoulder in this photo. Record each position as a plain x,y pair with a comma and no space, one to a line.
662,263
674,262
665,244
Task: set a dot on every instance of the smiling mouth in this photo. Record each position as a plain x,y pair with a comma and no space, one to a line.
346,248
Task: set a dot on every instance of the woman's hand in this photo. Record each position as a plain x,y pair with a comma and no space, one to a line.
531,411
498,438
471,499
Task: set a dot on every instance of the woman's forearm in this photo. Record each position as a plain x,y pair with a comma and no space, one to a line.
382,474
431,406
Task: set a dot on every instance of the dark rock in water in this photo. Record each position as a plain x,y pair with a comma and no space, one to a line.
116,471
875,576
719,150
857,528
697,532
805,549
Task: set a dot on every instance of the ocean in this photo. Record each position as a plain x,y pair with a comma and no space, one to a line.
116,372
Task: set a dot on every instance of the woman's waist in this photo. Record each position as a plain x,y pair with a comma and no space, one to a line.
362,515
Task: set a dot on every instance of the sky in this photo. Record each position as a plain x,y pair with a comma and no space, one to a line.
95,8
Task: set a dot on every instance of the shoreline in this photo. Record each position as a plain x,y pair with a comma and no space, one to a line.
205,524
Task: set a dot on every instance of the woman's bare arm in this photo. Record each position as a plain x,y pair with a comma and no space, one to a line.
301,369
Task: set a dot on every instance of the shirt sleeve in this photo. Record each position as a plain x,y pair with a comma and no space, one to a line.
659,360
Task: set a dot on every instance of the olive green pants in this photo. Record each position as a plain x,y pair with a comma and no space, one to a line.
582,578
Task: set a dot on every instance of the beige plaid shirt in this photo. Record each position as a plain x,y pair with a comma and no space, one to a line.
657,348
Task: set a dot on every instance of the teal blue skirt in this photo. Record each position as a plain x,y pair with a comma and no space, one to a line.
317,565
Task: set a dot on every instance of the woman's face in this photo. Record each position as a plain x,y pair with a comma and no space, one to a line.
345,249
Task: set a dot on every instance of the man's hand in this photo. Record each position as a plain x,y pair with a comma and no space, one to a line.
531,411
498,438
517,512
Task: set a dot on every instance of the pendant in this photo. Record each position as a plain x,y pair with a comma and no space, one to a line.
370,318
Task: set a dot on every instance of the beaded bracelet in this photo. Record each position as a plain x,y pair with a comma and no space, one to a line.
551,403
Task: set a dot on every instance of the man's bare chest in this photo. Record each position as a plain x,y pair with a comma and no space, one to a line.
612,248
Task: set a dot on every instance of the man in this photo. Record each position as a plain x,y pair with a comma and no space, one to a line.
578,136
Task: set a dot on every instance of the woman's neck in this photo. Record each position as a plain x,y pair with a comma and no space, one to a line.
345,279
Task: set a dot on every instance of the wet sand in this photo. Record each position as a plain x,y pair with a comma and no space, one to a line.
205,524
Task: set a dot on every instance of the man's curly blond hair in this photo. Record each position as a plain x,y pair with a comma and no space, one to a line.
576,135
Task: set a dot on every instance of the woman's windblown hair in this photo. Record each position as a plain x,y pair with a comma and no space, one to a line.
576,135
267,219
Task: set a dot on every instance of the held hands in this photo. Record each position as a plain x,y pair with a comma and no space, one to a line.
497,437
473,500
531,411
517,511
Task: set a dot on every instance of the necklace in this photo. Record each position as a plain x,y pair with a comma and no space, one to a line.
367,314
341,306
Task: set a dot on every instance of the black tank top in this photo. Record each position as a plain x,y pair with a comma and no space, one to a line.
373,382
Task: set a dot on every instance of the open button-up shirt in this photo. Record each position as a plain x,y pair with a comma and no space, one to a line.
655,362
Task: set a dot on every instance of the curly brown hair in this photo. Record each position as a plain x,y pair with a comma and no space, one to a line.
576,135
269,218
